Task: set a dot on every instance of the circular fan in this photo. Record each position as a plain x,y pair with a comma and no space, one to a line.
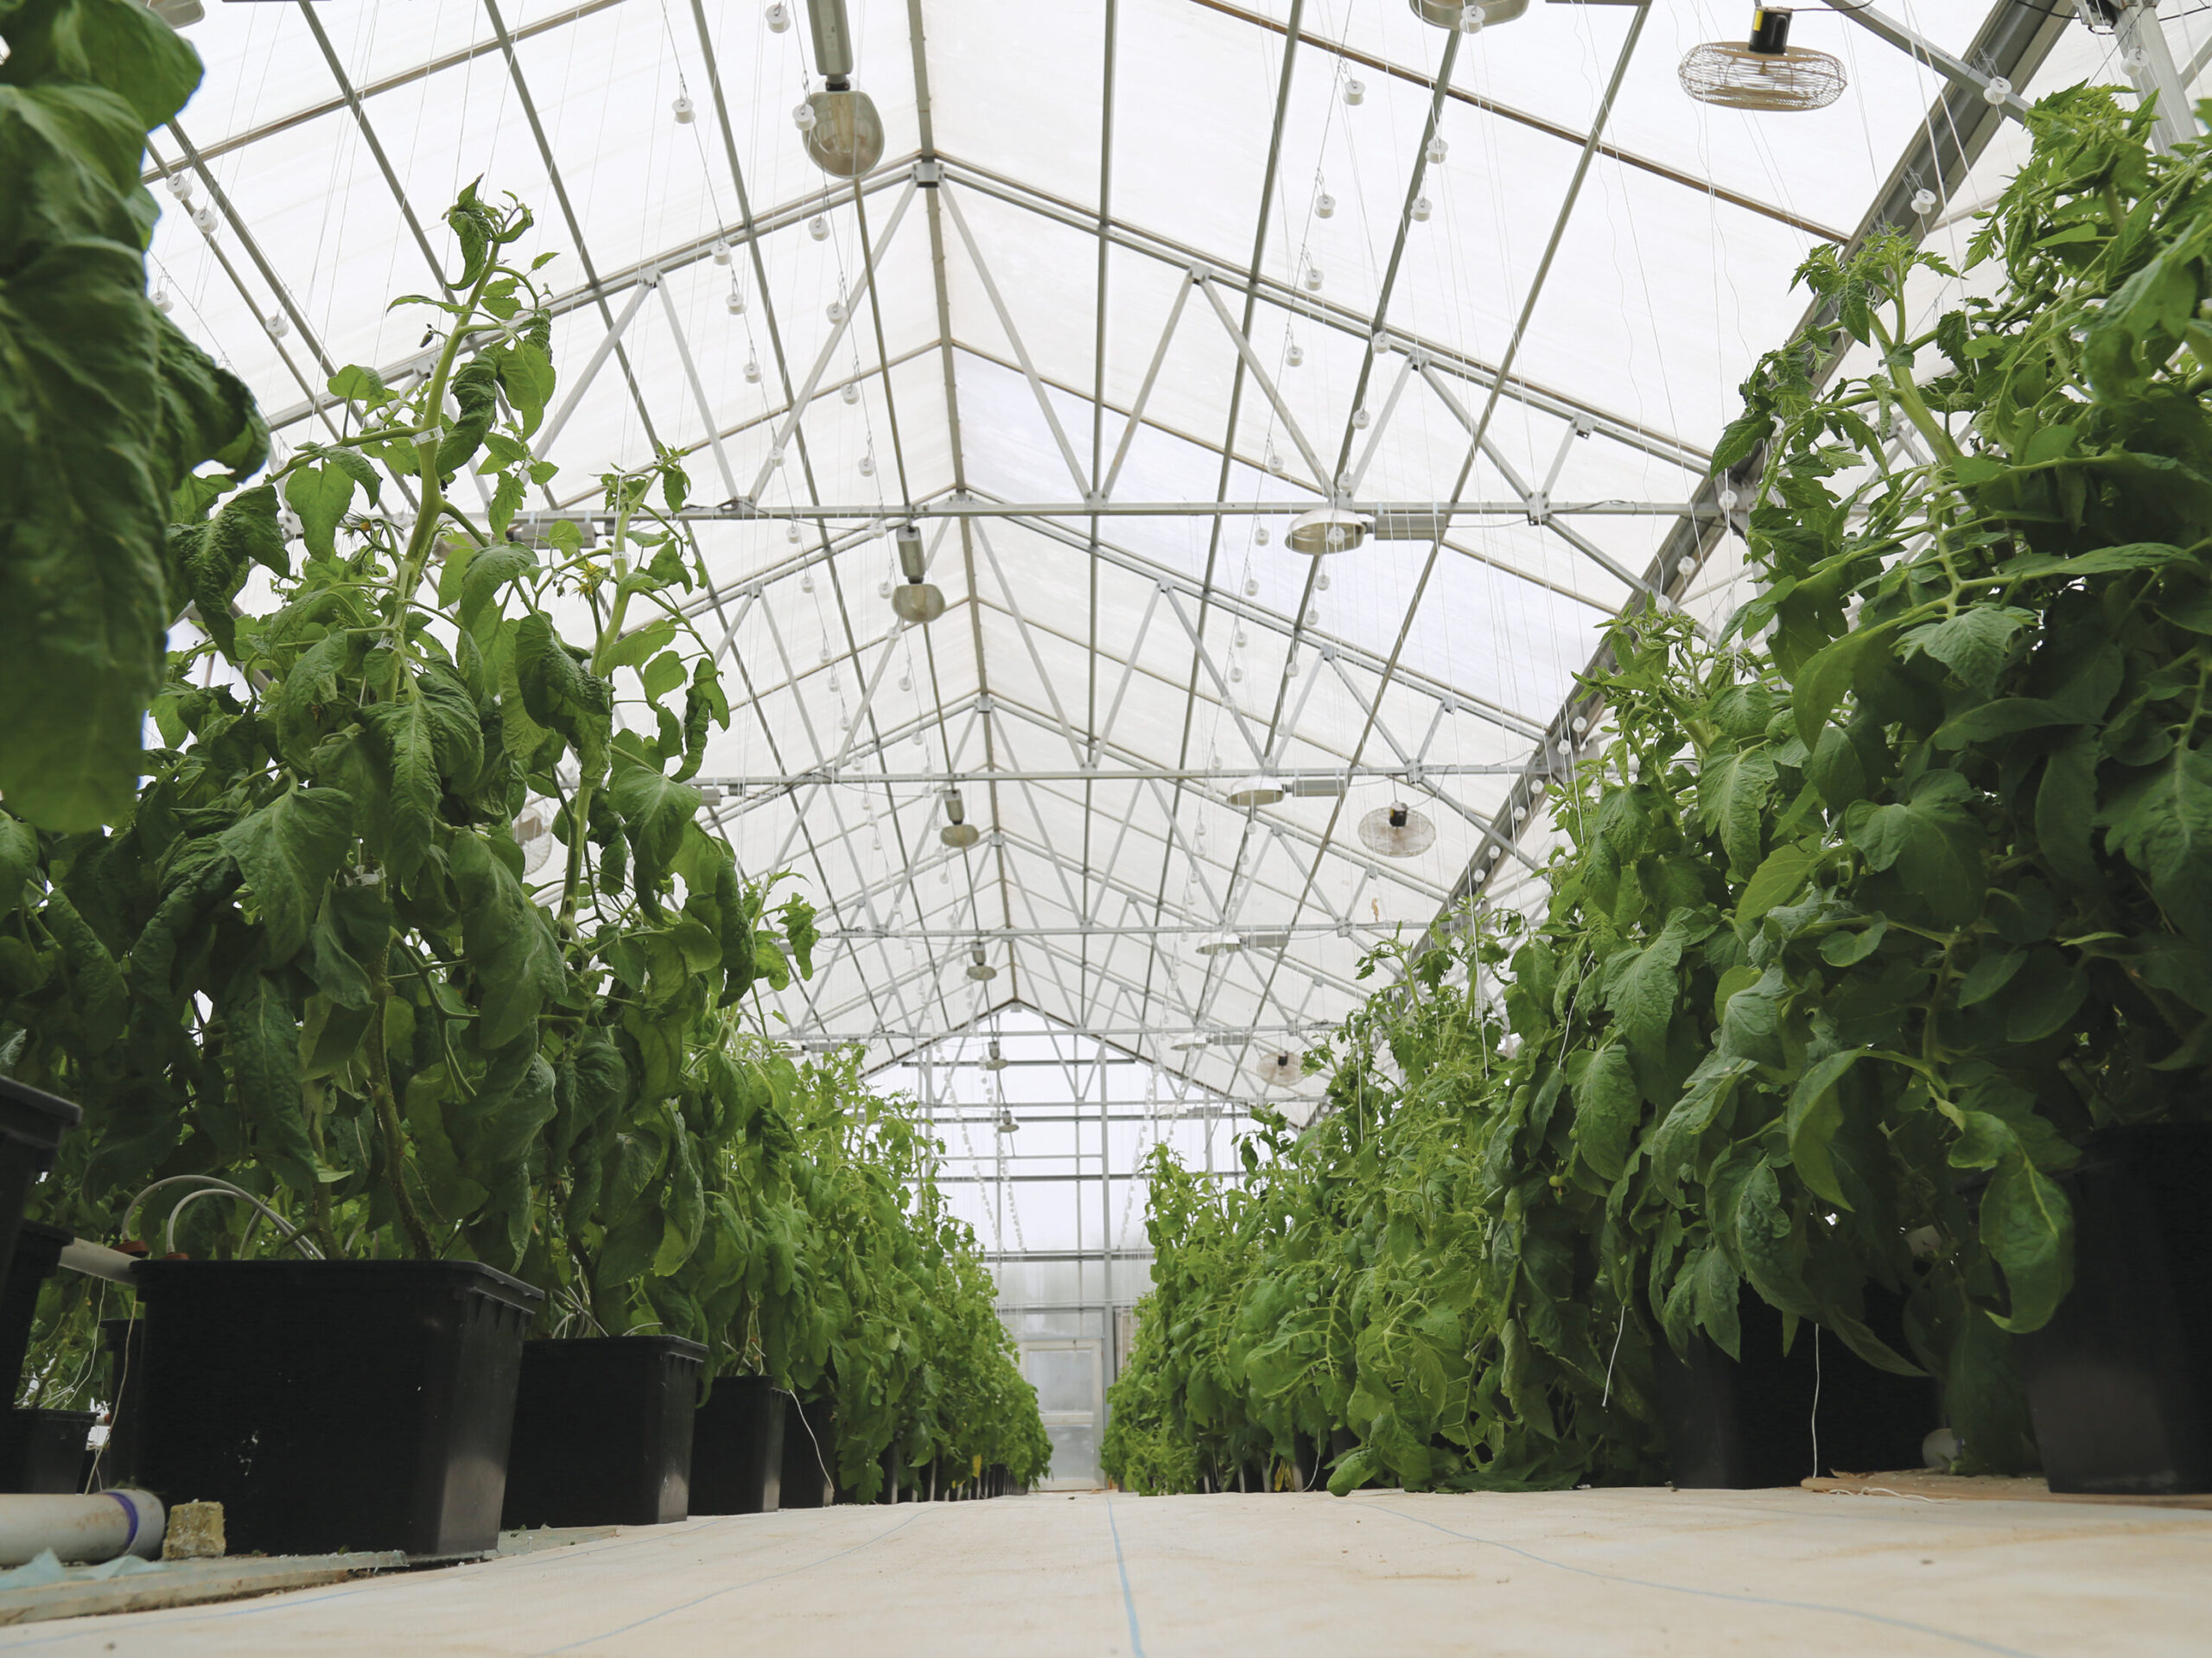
1280,1070
1396,831
533,833
1766,72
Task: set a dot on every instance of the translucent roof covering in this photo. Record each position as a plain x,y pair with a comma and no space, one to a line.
1135,282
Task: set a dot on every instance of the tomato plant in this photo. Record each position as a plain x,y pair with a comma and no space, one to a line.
1864,918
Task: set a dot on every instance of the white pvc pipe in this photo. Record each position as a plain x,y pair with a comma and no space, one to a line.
95,1528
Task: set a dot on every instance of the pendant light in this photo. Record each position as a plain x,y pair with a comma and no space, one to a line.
1458,14
1220,943
915,599
995,1060
845,138
957,830
1328,529
1766,72
1396,831
979,966
1255,791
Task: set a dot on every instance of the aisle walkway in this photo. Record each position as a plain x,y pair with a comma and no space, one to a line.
1600,1572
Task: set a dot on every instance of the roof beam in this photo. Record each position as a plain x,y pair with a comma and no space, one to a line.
1522,118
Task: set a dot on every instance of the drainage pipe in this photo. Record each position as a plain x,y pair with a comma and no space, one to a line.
96,1527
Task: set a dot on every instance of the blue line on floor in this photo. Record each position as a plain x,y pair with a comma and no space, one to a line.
1128,1601
1714,1594
591,1639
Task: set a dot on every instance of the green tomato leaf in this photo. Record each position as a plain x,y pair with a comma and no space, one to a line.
289,852
509,941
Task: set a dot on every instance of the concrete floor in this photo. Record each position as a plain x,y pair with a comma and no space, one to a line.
1624,1571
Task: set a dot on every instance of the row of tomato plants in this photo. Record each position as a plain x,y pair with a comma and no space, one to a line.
307,953
1864,915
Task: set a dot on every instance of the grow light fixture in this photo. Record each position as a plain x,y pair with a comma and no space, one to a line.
1006,1124
1766,72
1220,943
995,1060
914,599
1396,831
1255,791
177,14
979,967
1326,529
845,138
1468,15
957,830
1313,788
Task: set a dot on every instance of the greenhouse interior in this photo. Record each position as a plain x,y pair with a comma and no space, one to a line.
1143,826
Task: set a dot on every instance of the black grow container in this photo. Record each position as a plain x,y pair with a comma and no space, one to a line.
2119,1381
43,1451
37,1257
603,1431
332,1405
737,1448
1745,1424
809,1478
31,1126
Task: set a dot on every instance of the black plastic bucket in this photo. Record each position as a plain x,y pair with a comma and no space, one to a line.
332,1405
810,1455
737,1448
43,1451
1747,1424
38,1255
2119,1381
603,1431
31,1126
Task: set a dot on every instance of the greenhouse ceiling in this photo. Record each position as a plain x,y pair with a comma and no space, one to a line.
1135,284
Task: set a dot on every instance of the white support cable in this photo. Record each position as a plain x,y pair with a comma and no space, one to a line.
1036,659
698,389
1135,417
592,363
1381,422
951,202
804,397
1213,672
1323,483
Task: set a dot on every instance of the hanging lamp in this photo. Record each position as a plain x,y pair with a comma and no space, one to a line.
1468,15
1396,831
845,138
1766,72
1255,791
957,830
915,599
979,966
1220,943
995,1060
1326,529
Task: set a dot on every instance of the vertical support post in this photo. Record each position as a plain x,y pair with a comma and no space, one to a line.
2149,67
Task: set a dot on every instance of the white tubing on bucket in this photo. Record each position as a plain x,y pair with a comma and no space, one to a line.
95,1528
